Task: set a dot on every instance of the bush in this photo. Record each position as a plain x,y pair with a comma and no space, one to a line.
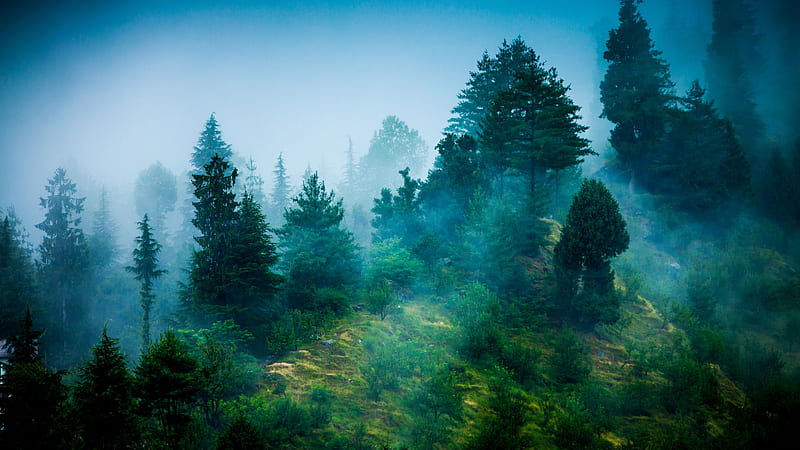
570,360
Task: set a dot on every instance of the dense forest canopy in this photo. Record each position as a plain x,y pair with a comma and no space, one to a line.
594,251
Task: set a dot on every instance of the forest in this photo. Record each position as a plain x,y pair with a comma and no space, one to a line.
519,286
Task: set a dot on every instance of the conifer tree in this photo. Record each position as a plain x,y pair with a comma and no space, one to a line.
732,56
167,382
254,184
104,398
17,283
394,146
145,260
281,192
31,396
64,259
155,194
594,232
209,145
636,92
318,253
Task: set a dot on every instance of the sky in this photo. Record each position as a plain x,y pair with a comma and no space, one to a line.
106,89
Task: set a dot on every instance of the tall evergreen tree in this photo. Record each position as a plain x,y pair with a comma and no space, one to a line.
167,382
636,92
103,240
31,396
318,254
17,282
594,232
537,124
398,216
215,217
63,260
700,164
145,267
281,192
104,398
209,145
254,184
493,75
732,56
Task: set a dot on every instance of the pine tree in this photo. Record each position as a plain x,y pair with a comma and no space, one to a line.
209,145
254,184
64,259
732,56
700,165
493,75
319,255
281,192
31,396
636,92
17,283
250,284
594,232
215,217
167,382
145,260
104,398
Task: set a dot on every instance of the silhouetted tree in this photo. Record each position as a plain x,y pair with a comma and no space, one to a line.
594,233
145,267
209,145
731,68
17,283
104,398
636,92
64,260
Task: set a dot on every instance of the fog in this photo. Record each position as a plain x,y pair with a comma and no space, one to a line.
105,91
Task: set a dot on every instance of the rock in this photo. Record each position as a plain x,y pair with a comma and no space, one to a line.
328,343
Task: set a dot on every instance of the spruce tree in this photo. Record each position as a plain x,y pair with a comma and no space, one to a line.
167,382
17,283
594,232
145,267
104,398
64,261
102,242
731,69
319,256
31,396
209,145
254,184
281,192
636,92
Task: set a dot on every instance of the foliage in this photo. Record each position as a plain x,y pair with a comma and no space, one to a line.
64,259
281,190
155,193
105,398
636,90
593,233
167,381
503,424
392,263
570,360
17,284
145,268
240,434
393,146
318,253
209,145
103,240
398,216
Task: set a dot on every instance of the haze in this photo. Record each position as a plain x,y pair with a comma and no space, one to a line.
107,90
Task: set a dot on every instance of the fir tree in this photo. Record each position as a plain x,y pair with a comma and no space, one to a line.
281,192
636,92
732,56
594,232
209,145
167,382
31,396
64,259
104,398
254,184
17,283
319,255
145,260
